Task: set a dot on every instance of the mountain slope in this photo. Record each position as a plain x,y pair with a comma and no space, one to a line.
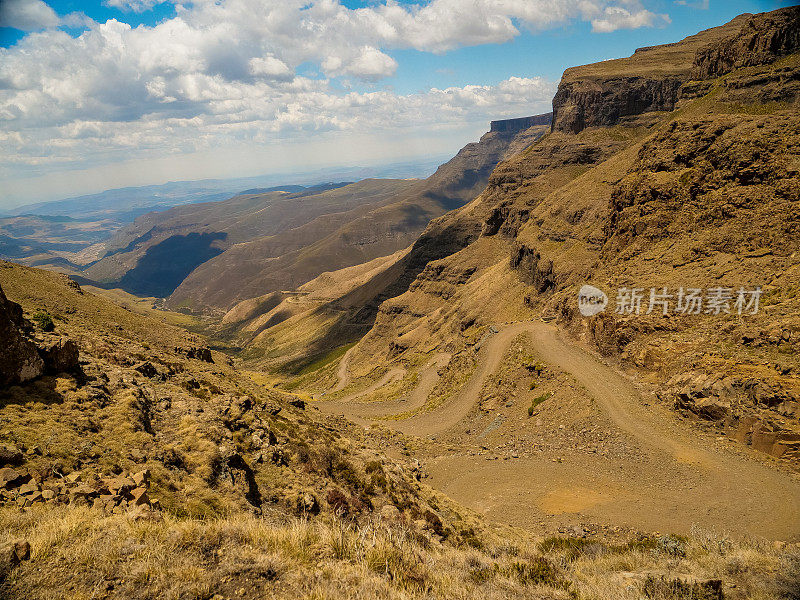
147,471
286,260
154,254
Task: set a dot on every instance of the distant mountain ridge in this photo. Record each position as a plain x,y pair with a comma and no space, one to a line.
125,204
207,256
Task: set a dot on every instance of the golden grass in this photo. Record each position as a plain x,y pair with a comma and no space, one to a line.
81,553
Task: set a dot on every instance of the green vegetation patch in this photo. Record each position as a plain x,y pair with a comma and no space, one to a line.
321,360
537,401
43,320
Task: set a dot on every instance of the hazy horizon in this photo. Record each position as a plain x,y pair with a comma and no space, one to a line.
420,168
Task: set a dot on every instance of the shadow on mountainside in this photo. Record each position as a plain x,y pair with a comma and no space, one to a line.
165,265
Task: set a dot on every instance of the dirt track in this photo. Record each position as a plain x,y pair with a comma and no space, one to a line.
360,412
677,478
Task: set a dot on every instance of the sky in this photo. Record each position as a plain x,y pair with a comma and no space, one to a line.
99,95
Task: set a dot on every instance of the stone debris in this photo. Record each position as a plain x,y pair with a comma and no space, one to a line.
113,494
197,353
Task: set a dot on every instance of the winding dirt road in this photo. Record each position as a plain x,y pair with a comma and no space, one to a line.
677,478
343,372
362,412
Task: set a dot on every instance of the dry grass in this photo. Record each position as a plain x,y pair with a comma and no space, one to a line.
82,553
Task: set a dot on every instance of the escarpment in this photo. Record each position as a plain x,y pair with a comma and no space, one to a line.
652,80
586,103
762,40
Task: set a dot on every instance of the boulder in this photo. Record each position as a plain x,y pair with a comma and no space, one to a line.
198,353
712,408
10,455
11,555
120,485
9,478
59,355
139,497
141,478
19,358
147,369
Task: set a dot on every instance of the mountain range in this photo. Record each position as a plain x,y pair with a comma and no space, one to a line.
566,365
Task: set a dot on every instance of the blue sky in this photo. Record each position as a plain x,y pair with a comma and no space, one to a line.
129,92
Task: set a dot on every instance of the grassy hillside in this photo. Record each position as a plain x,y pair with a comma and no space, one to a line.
250,494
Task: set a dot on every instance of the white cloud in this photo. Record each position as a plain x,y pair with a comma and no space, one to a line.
701,4
270,67
616,17
225,72
134,5
27,15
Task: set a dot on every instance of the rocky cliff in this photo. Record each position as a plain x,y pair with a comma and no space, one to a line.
27,353
19,358
603,94
651,80
520,124
761,40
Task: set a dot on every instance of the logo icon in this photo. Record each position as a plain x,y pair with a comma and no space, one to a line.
591,301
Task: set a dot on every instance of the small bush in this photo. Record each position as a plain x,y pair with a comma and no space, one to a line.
672,545
537,401
338,502
538,571
43,320
434,522
662,588
373,466
573,548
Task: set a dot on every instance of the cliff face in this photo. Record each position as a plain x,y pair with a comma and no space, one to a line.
514,125
602,103
603,94
19,359
761,40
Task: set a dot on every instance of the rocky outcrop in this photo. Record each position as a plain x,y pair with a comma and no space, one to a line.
19,357
652,79
60,355
22,357
112,494
532,269
521,124
741,405
603,102
767,438
197,352
763,39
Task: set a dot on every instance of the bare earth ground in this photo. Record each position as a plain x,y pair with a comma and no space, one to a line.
620,460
